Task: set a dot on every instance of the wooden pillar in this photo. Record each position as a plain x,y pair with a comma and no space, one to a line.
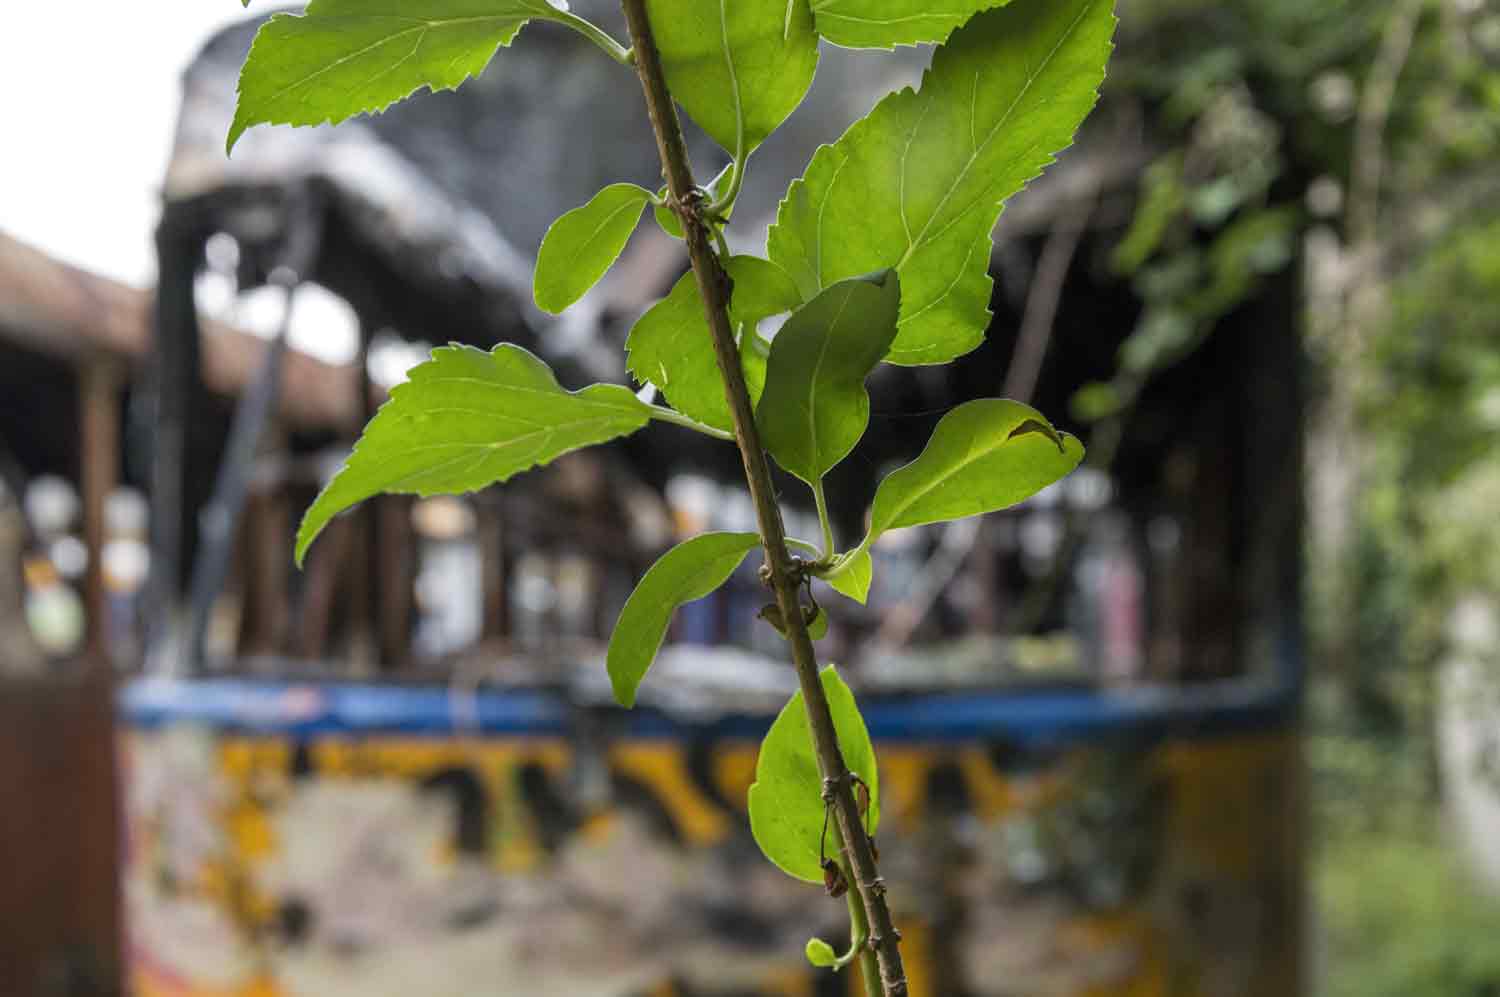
99,423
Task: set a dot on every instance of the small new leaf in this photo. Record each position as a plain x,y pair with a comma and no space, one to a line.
466,419
345,57
983,456
786,800
821,954
689,571
739,67
919,183
888,23
815,407
583,244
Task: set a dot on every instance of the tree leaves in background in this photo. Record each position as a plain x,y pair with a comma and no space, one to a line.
345,57
888,23
918,184
689,571
466,419
739,67
670,345
584,243
983,456
815,407
786,800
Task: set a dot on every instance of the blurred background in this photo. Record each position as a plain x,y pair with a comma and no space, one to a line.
1218,715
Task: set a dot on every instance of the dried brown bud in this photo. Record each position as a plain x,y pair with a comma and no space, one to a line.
834,883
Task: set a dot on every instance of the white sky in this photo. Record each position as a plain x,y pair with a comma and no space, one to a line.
88,101
88,117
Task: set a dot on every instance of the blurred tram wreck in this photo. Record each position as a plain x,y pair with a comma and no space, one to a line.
398,770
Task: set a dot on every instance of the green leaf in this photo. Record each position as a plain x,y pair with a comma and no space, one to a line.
888,23
815,407
919,183
818,628
983,456
786,800
854,581
761,289
346,57
670,346
821,954
466,419
739,67
689,571
584,243
667,218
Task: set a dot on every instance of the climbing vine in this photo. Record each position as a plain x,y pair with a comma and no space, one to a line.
879,254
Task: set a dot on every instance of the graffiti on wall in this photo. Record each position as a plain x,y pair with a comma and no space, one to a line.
453,867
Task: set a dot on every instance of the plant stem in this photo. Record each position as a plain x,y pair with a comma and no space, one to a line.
859,930
713,285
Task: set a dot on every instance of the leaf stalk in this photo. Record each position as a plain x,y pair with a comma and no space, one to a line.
597,35
663,414
714,286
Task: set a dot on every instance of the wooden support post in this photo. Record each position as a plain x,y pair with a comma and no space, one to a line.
99,422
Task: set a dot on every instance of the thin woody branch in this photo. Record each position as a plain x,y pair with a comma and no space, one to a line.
714,286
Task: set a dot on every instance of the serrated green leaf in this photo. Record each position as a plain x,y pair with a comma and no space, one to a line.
738,67
346,57
670,346
820,953
689,571
466,419
717,188
581,246
854,581
888,23
786,800
815,407
919,183
983,456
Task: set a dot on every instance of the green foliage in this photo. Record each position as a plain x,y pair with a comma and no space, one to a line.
466,419
738,67
584,243
888,23
815,407
1400,918
346,57
880,252
983,456
786,799
689,571
918,184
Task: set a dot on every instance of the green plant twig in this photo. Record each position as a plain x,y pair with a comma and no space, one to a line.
714,287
